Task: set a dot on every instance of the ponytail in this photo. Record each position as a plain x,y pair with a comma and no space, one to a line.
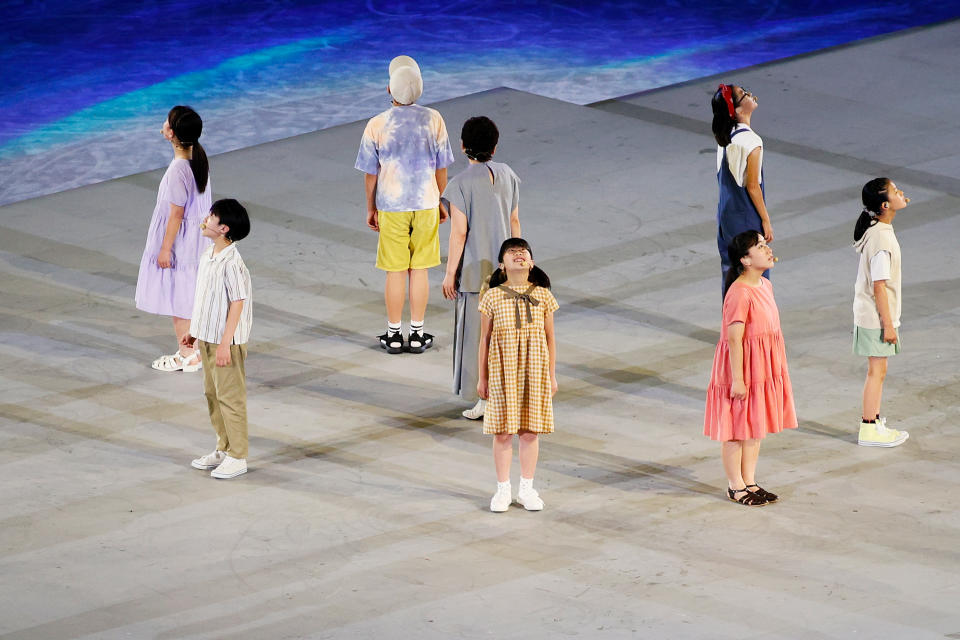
724,114
739,247
200,167
187,127
873,195
864,222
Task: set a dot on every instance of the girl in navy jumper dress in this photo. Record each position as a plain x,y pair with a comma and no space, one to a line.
742,204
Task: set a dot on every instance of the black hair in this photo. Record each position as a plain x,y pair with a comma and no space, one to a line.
187,126
537,275
873,195
739,247
723,123
234,215
479,136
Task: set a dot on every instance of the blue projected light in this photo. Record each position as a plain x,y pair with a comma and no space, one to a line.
109,71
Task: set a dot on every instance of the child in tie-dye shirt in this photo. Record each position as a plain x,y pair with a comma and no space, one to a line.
405,154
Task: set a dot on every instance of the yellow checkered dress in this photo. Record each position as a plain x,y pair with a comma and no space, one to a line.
518,364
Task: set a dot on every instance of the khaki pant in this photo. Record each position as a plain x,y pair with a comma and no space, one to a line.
226,391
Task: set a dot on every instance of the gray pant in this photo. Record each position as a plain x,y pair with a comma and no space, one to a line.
466,346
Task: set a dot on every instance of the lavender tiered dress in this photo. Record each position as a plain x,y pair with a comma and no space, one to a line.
169,292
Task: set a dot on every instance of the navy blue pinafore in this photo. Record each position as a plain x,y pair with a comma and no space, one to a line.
735,212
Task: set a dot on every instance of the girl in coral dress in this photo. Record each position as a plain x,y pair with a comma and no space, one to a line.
749,394
518,362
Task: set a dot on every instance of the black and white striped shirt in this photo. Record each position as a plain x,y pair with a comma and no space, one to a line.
221,279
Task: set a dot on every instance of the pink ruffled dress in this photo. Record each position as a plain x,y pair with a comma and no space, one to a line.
768,407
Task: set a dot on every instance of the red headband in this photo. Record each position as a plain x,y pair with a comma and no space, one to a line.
727,92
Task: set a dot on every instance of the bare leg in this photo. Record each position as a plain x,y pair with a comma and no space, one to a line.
393,295
529,451
419,294
180,327
748,460
503,455
732,453
873,387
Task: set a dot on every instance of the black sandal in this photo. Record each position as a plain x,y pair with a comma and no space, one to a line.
393,344
749,499
763,493
419,342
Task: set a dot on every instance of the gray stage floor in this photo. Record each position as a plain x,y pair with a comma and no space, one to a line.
365,511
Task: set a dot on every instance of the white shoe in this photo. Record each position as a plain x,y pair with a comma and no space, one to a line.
878,435
230,468
476,412
501,500
209,461
173,362
530,500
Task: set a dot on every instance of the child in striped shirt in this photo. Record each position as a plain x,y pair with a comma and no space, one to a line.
220,327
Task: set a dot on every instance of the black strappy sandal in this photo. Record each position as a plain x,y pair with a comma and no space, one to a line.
763,493
749,499
391,344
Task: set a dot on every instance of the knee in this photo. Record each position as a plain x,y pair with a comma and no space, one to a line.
528,437
503,439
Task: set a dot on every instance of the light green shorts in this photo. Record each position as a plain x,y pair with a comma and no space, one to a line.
869,342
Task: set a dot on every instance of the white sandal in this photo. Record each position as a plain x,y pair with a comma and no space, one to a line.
172,362
192,362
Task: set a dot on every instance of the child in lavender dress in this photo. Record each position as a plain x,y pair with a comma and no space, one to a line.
168,269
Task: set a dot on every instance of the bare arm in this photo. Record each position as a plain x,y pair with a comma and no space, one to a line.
752,184
165,257
551,350
738,390
458,238
441,176
515,222
486,326
370,188
229,328
883,308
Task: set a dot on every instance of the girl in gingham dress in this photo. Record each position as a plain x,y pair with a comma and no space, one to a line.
518,359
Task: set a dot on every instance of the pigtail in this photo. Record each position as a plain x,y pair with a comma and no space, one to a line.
497,278
539,277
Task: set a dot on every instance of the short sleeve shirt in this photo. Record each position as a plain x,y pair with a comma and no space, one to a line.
404,147
740,147
487,206
222,278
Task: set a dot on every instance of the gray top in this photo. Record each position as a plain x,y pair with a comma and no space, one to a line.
487,207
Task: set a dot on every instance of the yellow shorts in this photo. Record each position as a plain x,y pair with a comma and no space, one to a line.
408,239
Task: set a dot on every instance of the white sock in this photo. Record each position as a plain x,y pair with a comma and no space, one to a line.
416,327
392,329
503,486
526,484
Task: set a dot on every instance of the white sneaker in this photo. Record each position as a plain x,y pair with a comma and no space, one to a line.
530,500
501,500
209,461
476,412
230,468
